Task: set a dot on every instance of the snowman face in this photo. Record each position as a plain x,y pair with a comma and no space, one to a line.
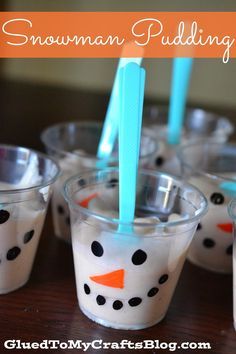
213,242
20,229
119,275
125,277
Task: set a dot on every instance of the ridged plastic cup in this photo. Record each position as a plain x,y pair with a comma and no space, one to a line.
232,213
74,146
26,179
126,280
212,168
198,124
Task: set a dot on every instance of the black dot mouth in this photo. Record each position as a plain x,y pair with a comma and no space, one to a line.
118,304
14,252
199,227
229,250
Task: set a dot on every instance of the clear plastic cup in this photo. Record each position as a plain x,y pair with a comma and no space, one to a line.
232,213
198,124
125,279
74,145
212,168
26,177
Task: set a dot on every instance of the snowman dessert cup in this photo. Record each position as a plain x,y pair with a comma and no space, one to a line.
74,145
126,280
26,177
211,167
232,213
198,124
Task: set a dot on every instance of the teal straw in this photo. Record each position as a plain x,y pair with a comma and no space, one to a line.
179,87
132,82
229,188
110,126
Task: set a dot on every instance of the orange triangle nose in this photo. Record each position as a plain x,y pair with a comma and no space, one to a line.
226,227
113,279
85,202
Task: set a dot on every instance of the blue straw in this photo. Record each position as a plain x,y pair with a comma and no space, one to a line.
110,126
179,87
132,81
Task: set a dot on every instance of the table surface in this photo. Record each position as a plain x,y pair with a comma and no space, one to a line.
46,308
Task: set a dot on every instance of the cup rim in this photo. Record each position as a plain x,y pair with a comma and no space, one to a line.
84,123
36,186
189,109
199,171
47,142
159,225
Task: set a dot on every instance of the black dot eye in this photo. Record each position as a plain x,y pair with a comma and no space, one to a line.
229,250
4,216
139,257
112,183
97,249
208,243
81,182
159,161
217,198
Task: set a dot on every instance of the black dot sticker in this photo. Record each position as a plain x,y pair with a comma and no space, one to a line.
60,209
28,236
4,216
199,227
86,289
229,250
117,305
81,182
208,243
112,183
159,161
217,198
163,278
139,257
152,292
135,301
100,300
13,253
97,249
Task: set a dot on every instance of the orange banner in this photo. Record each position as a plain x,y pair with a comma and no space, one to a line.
104,34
